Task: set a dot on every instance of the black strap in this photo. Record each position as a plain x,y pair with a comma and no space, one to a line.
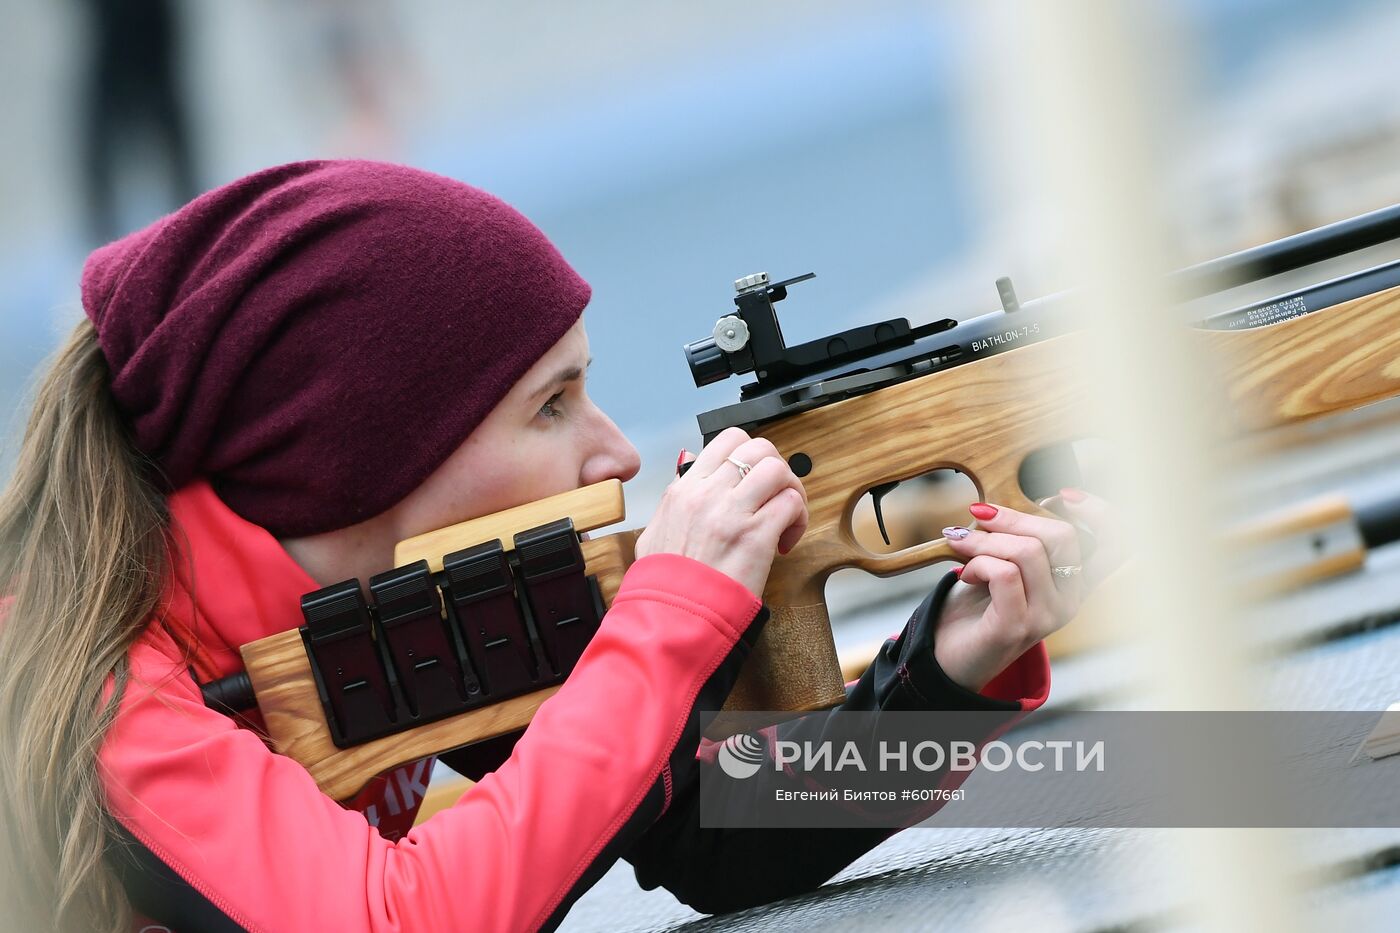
157,891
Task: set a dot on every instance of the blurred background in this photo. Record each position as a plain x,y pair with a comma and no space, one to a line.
670,148
667,149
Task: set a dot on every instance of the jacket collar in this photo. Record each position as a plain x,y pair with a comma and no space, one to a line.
232,581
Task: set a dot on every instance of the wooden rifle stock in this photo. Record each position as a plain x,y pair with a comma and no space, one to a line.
983,418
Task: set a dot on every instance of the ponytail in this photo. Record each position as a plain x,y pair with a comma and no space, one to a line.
83,554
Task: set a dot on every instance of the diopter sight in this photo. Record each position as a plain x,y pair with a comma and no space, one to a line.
752,340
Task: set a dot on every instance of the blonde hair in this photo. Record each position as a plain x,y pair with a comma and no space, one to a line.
83,554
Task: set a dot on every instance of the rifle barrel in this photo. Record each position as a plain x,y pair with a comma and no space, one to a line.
1294,252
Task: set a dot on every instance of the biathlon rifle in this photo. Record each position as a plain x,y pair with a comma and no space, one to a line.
478,623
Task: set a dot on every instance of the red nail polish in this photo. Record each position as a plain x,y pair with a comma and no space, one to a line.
982,511
958,571
1071,494
681,459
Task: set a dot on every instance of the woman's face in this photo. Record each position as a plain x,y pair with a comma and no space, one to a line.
545,437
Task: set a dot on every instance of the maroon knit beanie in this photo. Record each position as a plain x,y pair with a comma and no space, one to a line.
317,338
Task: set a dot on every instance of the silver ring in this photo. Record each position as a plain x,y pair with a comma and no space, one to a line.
743,467
1071,570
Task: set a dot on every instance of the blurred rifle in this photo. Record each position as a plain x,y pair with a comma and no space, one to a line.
1322,537
479,622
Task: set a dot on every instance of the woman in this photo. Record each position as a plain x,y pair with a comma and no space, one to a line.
276,384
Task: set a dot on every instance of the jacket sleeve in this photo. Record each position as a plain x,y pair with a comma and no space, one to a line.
217,832
720,869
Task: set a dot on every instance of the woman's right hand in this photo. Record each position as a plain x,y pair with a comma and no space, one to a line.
731,524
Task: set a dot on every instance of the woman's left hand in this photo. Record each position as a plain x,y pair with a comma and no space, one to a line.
1008,598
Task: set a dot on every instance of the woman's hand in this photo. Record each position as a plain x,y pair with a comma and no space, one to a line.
1007,597
731,523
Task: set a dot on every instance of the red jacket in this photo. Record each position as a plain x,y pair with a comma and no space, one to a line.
218,832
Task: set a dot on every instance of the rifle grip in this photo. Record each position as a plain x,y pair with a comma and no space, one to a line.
793,667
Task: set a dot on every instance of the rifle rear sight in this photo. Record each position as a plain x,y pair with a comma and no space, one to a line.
793,380
751,341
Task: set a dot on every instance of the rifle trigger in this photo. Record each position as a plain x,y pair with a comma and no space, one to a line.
876,494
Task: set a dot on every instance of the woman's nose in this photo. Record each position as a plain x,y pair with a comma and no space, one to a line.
615,457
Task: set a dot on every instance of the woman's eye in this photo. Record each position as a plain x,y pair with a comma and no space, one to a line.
548,409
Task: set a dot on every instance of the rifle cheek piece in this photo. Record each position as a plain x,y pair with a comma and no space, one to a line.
565,605
351,677
481,594
420,644
490,625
